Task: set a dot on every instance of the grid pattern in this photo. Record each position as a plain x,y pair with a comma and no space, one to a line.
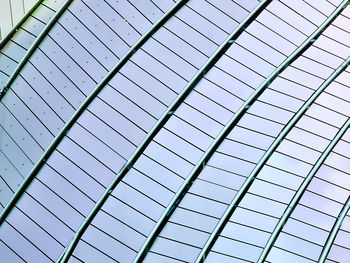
58,77
177,131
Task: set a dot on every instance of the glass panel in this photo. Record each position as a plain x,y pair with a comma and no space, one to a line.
334,176
205,104
298,246
221,177
308,139
202,23
246,136
148,187
217,257
181,47
131,217
45,218
270,112
254,219
118,230
168,247
278,255
20,245
278,25
34,234
160,173
86,252
236,149
319,219
323,56
232,247
296,150
184,234
338,253
271,191
152,257
193,219
305,10
11,126
292,16
323,6
306,231
245,234
85,45
316,126
108,246
246,49
338,161
185,130
210,190
329,190
321,203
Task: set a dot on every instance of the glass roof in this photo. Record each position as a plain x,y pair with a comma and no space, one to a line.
176,131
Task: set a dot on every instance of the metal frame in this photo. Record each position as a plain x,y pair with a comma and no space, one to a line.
128,165
156,128
10,34
309,177
334,232
19,67
34,46
242,110
78,112
185,186
69,249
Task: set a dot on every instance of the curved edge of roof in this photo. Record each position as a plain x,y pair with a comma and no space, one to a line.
14,29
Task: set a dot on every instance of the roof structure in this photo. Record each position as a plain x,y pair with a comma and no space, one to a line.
12,12
176,131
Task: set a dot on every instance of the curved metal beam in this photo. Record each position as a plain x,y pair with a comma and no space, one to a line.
262,162
34,46
64,257
334,232
19,67
207,155
242,110
302,188
157,127
78,112
10,34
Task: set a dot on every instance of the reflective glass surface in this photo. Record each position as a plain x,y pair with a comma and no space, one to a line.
225,105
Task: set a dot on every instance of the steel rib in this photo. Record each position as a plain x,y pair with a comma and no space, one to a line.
235,119
160,123
33,47
76,115
334,232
